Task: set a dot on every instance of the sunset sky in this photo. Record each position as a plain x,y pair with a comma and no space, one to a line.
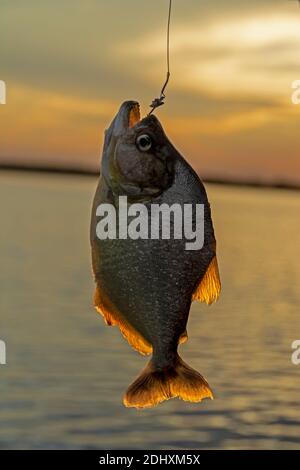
68,65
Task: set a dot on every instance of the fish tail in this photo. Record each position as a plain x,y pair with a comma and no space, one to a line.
155,385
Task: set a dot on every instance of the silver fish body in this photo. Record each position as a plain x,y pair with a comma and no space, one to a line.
146,286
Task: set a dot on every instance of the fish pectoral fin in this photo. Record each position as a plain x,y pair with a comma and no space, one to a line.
134,338
209,288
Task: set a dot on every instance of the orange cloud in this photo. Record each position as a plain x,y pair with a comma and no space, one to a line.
39,124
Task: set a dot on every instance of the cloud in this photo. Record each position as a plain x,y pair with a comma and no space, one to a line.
229,123
251,56
45,125
68,65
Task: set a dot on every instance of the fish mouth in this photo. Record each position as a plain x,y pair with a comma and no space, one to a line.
134,115
127,117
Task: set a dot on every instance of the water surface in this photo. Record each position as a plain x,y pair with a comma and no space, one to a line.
66,371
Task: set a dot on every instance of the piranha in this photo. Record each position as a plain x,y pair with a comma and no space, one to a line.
146,286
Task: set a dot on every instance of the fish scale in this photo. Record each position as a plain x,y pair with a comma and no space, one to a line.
146,286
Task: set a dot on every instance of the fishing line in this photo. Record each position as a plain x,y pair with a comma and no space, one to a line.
160,101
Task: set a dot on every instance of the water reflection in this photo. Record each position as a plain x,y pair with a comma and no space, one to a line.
67,372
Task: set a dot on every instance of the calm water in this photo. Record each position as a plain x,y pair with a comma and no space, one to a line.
67,371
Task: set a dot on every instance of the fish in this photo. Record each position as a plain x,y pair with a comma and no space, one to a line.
146,286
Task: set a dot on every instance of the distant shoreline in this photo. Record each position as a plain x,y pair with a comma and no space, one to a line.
94,173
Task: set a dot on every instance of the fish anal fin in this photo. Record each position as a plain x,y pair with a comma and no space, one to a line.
134,338
209,287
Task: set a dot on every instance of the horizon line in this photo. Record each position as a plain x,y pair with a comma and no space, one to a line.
51,169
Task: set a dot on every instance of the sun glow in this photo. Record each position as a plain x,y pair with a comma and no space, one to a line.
253,56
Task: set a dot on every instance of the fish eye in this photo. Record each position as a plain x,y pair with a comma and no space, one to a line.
144,142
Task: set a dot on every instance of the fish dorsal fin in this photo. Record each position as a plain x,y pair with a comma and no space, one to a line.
209,288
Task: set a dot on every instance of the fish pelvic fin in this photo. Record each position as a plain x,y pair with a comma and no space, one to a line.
183,337
209,288
134,338
156,385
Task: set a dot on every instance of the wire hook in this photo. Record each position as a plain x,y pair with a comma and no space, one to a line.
161,99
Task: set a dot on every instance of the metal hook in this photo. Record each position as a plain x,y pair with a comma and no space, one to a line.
161,100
